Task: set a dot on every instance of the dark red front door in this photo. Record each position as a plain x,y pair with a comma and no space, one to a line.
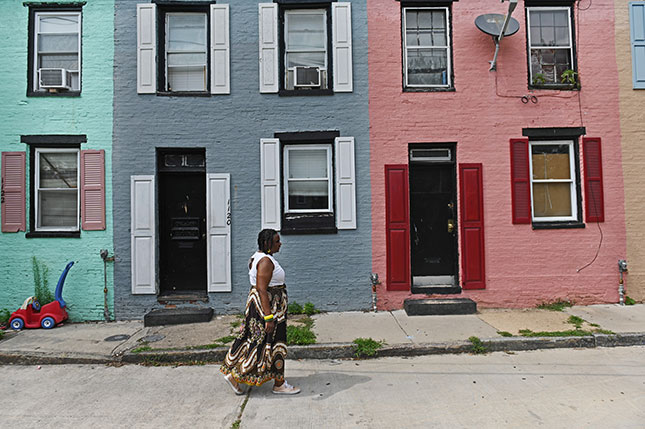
397,227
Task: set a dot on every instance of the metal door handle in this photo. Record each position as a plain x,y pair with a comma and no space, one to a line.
451,225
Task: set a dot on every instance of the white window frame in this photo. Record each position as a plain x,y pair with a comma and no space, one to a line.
37,16
572,181
530,43
36,186
329,178
167,51
446,47
288,51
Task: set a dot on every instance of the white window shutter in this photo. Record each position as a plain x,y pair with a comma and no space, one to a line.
147,48
345,183
220,50
341,16
218,225
270,183
268,18
142,234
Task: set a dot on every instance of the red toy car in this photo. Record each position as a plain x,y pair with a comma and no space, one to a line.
31,315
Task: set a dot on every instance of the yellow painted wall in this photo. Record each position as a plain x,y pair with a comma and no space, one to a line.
632,124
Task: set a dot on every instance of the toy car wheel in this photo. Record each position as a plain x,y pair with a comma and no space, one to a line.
17,324
47,323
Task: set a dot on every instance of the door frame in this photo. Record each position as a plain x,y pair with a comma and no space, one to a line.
451,160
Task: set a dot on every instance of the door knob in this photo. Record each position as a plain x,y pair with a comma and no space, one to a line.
451,225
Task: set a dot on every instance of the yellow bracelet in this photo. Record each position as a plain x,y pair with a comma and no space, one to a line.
268,318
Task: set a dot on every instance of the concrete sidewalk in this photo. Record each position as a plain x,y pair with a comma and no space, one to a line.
499,330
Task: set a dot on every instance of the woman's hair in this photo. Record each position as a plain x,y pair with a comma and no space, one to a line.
265,239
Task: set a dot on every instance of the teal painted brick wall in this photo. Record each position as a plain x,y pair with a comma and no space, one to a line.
89,114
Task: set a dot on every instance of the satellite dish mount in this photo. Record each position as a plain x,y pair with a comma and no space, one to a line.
498,26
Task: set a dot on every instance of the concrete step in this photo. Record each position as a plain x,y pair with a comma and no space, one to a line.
177,316
432,307
446,289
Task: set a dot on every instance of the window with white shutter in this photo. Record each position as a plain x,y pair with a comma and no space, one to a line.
177,60
296,56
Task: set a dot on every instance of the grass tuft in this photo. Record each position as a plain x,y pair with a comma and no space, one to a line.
576,321
300,335
629,301
478,346
366,347
142,349
504,333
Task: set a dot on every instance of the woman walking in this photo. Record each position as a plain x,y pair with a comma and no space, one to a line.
257,354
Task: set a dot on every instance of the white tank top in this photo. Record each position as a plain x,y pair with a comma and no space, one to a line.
277,278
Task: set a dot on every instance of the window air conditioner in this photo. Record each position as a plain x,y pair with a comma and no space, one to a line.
306,77
50,78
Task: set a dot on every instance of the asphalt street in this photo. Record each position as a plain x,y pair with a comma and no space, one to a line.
591,388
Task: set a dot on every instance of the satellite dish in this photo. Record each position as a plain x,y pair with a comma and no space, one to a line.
492,23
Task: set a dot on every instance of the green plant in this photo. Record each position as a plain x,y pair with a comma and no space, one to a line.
539,79
478,346
41,282
300,335
366,347
575,320
629,301
294,308
558,305
309,309
4,316
142,349
504,334
225,340
236,323
569,77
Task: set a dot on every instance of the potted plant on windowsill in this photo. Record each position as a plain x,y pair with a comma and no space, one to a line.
570,78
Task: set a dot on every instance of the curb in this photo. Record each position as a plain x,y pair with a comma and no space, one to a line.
335,350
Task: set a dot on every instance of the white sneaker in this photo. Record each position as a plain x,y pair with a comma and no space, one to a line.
286,389
237,389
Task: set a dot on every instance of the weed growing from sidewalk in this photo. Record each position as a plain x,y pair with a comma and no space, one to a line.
309,308
576,321
294,308
236,423
478,346
1,334
300,335
558,305
4,320
629,301
504,333
366,347
569,333
225,340
142,349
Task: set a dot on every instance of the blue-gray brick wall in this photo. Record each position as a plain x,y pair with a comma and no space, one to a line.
331,270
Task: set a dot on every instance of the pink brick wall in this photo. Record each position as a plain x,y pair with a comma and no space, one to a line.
524,267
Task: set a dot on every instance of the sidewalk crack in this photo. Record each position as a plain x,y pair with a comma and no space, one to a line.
401,327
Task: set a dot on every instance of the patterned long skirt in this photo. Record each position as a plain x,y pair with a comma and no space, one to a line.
255,356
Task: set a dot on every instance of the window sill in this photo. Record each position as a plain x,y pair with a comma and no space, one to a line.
558,225
53,234
308,231
415,89
53,94
184,94
305,92
554,87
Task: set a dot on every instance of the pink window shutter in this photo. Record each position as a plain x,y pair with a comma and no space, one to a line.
93,190
13,191
594,194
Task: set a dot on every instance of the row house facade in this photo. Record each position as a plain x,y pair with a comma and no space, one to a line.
55,140
503,185
231,118
630,58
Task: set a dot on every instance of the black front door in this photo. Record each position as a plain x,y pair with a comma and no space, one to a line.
182,231
433,223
